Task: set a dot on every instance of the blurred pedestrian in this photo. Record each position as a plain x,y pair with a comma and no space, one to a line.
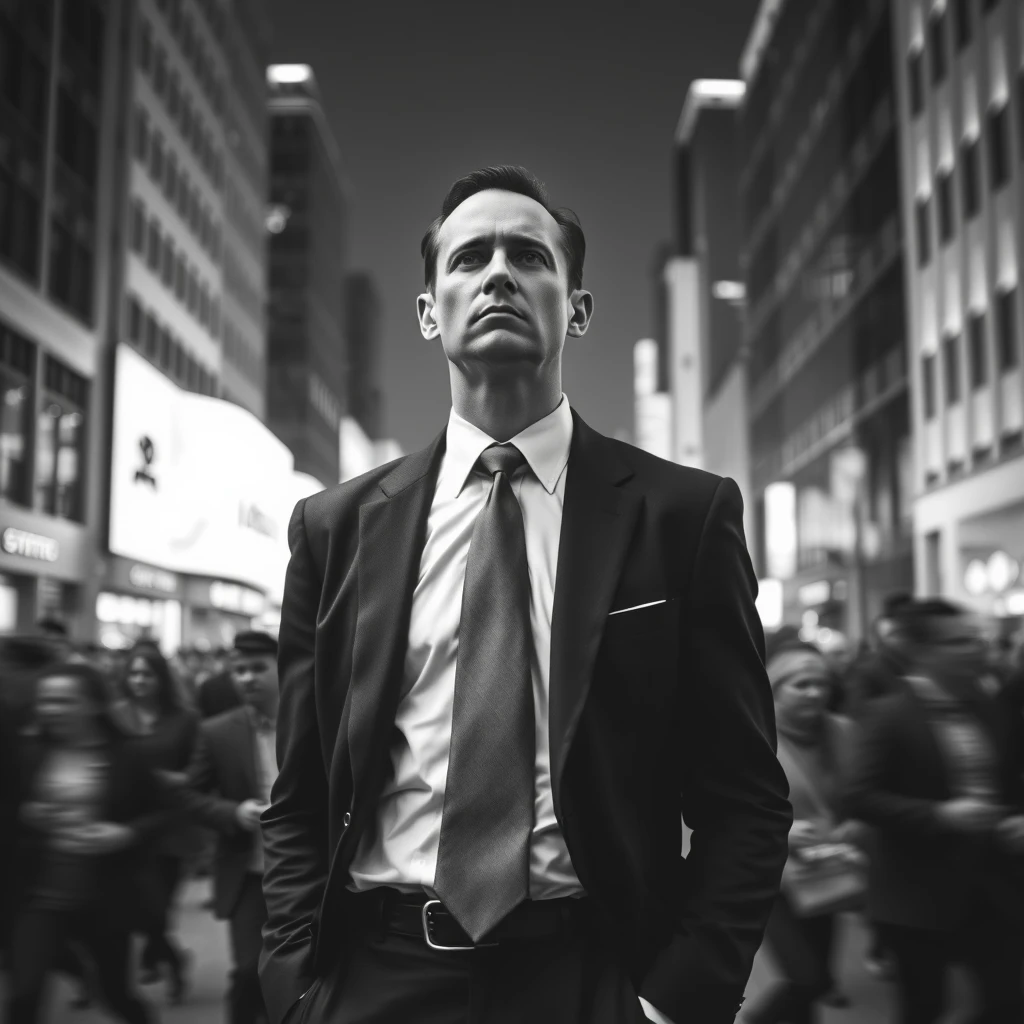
232,771
816,751
167,733
217,693
937,775
88,806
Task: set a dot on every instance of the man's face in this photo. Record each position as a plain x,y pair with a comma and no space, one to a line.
255,675
501,294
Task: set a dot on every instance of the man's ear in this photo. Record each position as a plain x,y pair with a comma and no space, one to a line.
581,309
426,314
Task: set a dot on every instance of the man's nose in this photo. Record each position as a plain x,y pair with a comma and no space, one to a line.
499,274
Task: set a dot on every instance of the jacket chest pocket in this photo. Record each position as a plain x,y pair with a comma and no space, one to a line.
640,647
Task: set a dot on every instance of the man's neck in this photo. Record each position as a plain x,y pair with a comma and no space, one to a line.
502,410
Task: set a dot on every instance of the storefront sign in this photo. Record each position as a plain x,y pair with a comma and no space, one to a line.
198,485
30,545
231,597
147,578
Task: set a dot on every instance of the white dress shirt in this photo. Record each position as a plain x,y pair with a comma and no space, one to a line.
401,850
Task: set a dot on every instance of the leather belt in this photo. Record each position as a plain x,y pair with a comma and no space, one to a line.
419,916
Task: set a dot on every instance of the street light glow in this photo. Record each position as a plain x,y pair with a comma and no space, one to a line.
289,74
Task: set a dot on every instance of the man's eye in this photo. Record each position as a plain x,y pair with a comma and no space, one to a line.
531,255
463,256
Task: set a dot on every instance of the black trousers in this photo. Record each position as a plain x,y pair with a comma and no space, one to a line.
991,949
802,949
158,948
574,978
245,997
38,941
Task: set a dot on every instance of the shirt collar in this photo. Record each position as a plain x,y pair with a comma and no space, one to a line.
544,444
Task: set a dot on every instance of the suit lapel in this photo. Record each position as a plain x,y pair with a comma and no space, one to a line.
392,532
247,743
598,520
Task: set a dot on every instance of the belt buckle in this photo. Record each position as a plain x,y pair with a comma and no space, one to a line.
425,917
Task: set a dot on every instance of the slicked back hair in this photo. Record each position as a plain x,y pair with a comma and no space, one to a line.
508,178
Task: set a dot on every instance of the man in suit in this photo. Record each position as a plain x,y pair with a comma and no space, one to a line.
229,779
506,668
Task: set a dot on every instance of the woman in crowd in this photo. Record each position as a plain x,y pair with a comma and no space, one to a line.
816,750
166,729
938,774
88,805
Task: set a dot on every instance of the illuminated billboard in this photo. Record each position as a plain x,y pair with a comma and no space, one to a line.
198,485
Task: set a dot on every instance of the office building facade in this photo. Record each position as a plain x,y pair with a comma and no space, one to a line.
961,109
307,220
825,319
58,115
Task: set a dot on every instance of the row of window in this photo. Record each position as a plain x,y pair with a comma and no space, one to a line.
43,444
1007,354
238,352
161,346
194,52
938,47
173,181
156,246
168,86
969,163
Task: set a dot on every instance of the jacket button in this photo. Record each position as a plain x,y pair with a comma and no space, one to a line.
347,820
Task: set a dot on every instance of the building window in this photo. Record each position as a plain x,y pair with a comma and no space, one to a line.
134,321
944,188
60,436
998,144
171,177
951,359
145,47
138,227
924,238
160,72
180,286
153,246
937,46
17,362
979,352
1006,318
156,158
928,386
970,178
962,22
173,95
152,336
165,350
167,263
915,81
141,135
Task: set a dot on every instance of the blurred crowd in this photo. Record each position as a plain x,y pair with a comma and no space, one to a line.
121,775
906,772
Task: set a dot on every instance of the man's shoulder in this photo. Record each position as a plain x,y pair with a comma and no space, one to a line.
219,728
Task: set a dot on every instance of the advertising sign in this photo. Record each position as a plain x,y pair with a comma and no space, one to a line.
196,482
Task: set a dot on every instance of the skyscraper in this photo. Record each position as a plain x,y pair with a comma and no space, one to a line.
961,111
307,221
825,324
363,339
58,118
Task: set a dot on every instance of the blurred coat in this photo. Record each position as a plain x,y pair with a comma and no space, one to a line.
923,875
131,796
216,695
222,774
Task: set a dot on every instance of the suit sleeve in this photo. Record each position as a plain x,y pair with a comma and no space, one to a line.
295,840
734,793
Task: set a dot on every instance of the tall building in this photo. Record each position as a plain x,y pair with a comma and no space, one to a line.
707,238
308,224
58,118
364,398
961,106
825,323
198,486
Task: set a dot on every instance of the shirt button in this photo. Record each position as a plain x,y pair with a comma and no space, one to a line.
347,820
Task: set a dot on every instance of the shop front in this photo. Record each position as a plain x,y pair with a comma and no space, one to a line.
43,562
139,601
215,610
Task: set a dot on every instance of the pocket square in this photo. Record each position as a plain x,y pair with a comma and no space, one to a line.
637,607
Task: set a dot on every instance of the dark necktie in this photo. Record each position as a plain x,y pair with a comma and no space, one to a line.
483,860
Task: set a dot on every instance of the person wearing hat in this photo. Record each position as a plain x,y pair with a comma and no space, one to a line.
228,786
816,750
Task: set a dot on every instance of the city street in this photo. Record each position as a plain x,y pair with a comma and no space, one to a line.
207,940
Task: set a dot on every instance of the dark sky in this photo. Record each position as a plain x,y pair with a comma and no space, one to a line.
587,95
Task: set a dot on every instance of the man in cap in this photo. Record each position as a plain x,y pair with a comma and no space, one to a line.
233,767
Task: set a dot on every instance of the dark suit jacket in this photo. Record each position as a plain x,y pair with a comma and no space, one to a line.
132,796
223,774
652,712
922,874
216,695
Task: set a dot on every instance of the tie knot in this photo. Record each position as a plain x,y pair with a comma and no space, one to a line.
501,458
